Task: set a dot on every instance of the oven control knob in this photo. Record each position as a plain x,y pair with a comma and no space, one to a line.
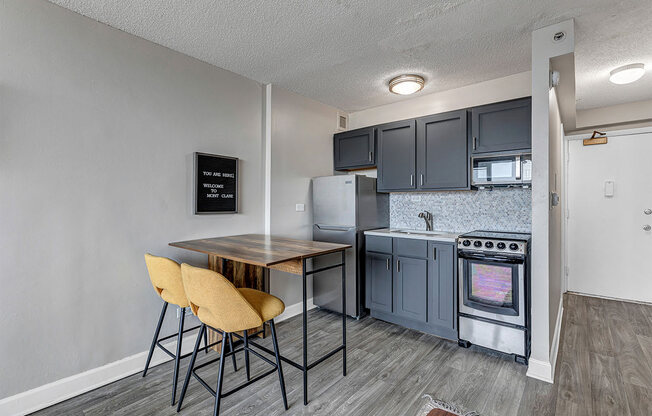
489,244
477,243
501,246
513,246
466,243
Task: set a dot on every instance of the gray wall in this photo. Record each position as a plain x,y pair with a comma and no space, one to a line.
501,209
97,130
302,148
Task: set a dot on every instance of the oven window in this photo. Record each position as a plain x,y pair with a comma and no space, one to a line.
491,284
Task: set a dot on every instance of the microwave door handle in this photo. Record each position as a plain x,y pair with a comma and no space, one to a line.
518,167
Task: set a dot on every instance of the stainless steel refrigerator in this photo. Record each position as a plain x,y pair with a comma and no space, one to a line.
344,206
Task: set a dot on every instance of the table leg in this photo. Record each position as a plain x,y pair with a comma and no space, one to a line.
344,312
305,335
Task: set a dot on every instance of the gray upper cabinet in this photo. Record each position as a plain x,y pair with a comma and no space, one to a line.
502,126
354,149
442,288
442,151
396,156
411,288
379,282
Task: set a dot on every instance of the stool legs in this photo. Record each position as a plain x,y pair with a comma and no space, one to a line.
246,353
220,374
156,333
235,366
278,364
202,330
178,356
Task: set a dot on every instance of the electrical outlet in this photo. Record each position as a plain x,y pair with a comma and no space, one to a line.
300,207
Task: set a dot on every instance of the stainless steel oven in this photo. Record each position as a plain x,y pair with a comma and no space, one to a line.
494,298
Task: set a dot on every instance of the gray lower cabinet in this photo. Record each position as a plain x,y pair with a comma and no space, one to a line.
442,303
354,149
411,288
412,283
379,281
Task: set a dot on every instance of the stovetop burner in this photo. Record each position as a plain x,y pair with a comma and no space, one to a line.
498,235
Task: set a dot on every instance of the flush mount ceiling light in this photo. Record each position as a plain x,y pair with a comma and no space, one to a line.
406,84
626,74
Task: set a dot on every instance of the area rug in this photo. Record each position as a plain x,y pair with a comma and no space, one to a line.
435,407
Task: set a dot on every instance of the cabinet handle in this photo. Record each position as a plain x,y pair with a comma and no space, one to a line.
475,143
411,180
388,263
371,156
434,253
421,179
398,266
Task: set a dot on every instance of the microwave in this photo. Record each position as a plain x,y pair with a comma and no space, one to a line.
502,170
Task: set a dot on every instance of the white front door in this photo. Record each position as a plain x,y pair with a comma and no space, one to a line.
609,251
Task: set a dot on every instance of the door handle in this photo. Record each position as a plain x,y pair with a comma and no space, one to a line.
387,263
434,253
398,266
371,156
332,227
475,143
648,211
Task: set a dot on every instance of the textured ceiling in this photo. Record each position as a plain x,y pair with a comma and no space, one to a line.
343,52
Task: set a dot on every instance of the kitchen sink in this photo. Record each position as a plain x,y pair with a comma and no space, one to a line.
420,232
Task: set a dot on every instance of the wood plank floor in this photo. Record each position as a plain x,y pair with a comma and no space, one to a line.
604,368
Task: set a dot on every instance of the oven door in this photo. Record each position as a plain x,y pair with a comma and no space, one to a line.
492,287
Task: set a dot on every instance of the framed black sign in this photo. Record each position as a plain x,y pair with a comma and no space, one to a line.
216,184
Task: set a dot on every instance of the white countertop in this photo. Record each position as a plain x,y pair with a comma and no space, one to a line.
445,236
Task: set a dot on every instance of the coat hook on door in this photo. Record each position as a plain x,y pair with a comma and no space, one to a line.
595,140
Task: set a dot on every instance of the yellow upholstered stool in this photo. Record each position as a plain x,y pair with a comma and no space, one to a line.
222,307
165,275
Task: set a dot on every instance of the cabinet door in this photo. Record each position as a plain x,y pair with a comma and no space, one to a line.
502,126
411,288
442,151
442,293
354,149
379,282
396,156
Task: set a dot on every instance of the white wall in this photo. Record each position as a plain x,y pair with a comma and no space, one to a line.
97,130
609,252
501,89
556,184
636,112
302,148
543,354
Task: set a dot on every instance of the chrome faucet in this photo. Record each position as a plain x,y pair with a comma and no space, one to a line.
427,217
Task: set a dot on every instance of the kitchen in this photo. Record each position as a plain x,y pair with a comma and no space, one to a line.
426,271
193,192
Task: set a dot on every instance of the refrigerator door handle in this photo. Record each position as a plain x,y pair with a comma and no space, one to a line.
333,227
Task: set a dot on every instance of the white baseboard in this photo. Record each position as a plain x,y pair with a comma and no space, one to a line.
293,310
545,370
591,295
66,388
554,350
541,370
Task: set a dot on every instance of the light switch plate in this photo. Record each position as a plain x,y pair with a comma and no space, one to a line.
300,207
609,189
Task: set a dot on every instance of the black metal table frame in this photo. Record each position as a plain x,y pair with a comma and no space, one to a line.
305,366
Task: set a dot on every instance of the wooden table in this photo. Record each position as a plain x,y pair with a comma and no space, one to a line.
246,261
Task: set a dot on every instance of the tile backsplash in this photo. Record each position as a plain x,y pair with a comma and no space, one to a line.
500,209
